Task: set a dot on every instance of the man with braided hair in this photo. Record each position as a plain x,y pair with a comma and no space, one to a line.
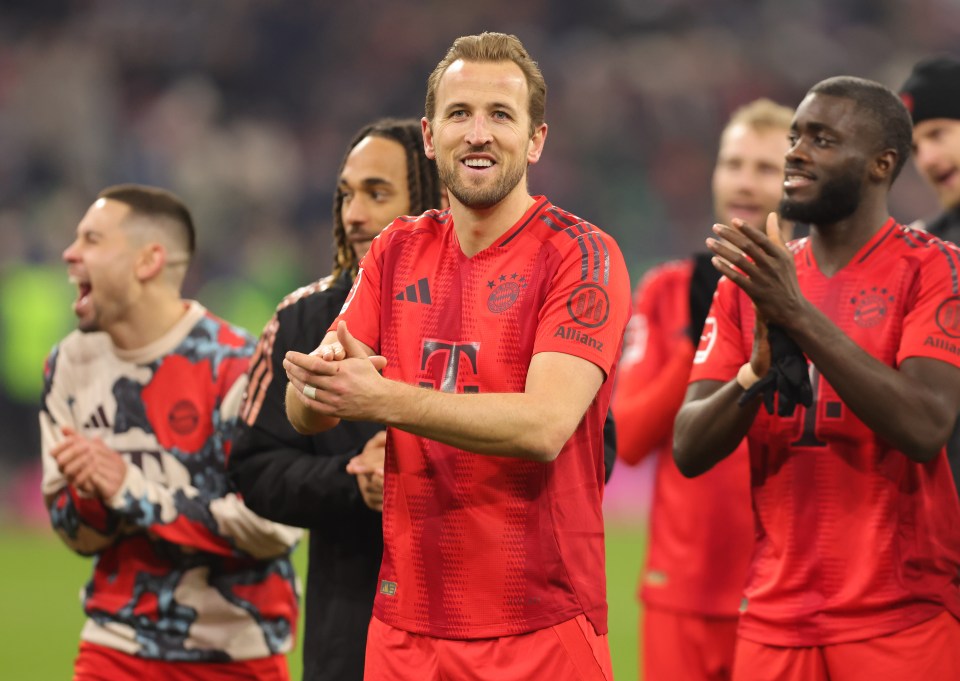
303,480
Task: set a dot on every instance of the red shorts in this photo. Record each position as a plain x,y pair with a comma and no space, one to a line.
571,651
930,650
688,647
99,663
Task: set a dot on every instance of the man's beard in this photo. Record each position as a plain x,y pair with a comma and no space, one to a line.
838,199
479,197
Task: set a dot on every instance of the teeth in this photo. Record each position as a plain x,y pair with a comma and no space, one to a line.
478,162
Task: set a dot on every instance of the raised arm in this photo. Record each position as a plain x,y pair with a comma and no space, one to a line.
283,475
912,407
534,424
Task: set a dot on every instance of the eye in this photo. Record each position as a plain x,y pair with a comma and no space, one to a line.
379,195
792,138
822,141
501,116
346,197
459,113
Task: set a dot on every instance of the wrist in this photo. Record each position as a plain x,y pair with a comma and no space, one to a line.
746,376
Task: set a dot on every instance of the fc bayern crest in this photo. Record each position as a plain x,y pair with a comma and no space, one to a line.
948,316
506,292
871,306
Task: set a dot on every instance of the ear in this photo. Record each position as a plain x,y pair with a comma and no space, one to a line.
536,144
150,261
883,165
427,139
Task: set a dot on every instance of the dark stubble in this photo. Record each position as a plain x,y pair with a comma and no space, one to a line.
838,199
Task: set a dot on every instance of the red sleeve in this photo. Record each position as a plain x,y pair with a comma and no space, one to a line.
656,362
361,309
931,328
588,304
721,352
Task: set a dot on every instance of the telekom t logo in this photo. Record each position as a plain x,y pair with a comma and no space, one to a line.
450,355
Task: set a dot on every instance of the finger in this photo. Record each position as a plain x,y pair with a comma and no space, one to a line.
351,345
745,238
330,352
379,362
731,273
732,258
308,365
774,232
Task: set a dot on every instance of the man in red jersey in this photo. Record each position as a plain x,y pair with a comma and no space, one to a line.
932,95
855,572
498,325
139,409
701,531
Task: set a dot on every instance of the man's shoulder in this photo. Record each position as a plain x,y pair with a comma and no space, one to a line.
213,335
79,347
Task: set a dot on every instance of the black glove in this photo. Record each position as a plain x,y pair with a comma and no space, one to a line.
788,376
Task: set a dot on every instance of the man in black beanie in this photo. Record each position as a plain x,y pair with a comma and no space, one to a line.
932,95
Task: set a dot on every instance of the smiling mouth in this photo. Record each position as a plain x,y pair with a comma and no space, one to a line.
478,163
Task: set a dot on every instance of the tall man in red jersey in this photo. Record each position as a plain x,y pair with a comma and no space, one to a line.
498,325
701,531
855,573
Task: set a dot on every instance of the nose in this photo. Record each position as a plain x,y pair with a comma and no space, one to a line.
71,253
924,156
354,211
479,132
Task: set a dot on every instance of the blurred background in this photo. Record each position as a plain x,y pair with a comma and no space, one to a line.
244,107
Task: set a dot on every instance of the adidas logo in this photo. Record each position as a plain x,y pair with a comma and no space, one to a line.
416,293
98,419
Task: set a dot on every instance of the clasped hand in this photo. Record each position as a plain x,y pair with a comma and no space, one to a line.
89,465
761,265
341,378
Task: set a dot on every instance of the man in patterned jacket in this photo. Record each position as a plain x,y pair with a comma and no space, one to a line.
139,408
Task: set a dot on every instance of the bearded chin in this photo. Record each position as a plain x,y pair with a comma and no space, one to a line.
837,200
479,197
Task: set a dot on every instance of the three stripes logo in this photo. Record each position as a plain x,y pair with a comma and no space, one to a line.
98,419
416,293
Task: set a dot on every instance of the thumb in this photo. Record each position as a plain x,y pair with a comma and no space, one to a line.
379,362
773,230
351,346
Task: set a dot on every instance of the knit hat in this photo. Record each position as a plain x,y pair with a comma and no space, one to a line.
933,89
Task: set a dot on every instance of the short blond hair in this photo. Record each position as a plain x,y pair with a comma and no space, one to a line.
762,115
493,47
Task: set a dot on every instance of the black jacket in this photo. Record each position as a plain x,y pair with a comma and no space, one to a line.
301,480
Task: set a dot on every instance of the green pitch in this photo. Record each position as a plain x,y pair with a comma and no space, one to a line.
40,582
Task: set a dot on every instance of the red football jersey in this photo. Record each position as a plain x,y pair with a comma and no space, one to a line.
855,540
481,546
701,529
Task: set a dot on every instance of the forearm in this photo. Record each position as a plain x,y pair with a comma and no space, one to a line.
710,425
502,424
84,524
645,407
221,525
304,420
898,408
292,486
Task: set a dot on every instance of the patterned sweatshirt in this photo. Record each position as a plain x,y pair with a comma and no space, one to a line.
183,571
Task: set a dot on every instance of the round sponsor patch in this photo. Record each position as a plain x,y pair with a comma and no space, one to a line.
589,305
948,316
503,297
184,417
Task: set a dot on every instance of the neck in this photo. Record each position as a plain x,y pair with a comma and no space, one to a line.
835,244
478,228
149,320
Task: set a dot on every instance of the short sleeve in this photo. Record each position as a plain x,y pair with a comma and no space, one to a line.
931,326
361,309
587,306
721,351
